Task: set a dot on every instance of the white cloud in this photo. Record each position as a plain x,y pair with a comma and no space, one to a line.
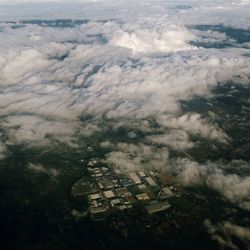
244,2
224,233
232,186
19,66
131,157
130,70
147,38
175,139
215,176
38,168
194,123
67,72
202,11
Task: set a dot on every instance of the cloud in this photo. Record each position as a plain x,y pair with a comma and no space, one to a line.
88,68
39,169
232,186
154,85
125,65
32,129
17,67
175,139
130,157
195,124
79,70
217,176
244,2
181,11
224,232
147,38
106,144
20,2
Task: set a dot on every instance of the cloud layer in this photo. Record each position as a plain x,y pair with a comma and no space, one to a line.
127,65
225,232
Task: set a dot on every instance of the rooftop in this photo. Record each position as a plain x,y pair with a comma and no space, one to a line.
95,196
151,182
167,191
109,194
142,197
135,178
158,207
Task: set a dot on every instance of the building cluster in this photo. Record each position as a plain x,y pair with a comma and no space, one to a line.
111,191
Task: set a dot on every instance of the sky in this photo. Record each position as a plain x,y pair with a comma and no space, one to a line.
127,62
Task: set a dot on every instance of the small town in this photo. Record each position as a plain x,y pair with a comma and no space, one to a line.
109,191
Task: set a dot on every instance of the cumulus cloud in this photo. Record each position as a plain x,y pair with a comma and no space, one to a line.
32,129
68,79
223,233
127,66
154,85
217,176
87,68
20,2
56,75
242,2
147,38
194,123
131,157
213,175
106,144
38,168
175,139
16,67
